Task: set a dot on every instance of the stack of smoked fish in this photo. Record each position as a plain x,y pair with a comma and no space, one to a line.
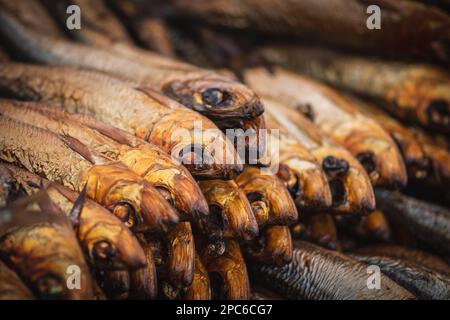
109,189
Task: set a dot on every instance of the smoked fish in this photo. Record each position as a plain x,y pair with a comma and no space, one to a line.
415,93
350,185
67,161
44,268
317,273
11,286
106,241
336,117
407,28
195,141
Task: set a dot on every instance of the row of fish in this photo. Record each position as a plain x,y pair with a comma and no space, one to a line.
89,138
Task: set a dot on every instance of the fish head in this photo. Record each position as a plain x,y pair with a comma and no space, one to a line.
230,208
216,97
268,196
110,244
130,198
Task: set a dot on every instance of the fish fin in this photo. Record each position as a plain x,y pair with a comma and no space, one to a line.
159,97
111,132
77,208
77,146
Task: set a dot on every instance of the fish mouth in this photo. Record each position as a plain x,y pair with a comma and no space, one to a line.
438,114
418,165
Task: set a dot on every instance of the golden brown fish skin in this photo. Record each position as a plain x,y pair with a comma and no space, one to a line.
320,274
349,183
228,273
298,168
269,198
330,22
200,288
272,247
336,117
415,93
106,241
416,160
148,115
44,267
404,253
33,15
11,287
144,282
176,256
116,284
71,164
231,209
323,231
214,95
172,180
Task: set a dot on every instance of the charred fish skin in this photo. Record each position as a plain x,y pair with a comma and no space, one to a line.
44,268
270,200
147,115
336,117
421,281
349,183
428,222
11,286
231,208
317,273
73,165
172,180
143,281
209,93
107,242
414,93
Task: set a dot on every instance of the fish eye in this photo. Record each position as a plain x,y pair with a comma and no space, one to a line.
215,97
103,250
166,194
49,286
126,213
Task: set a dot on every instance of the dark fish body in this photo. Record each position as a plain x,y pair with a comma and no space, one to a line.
415,93
398,252
408,28
421,281
429,223
143,281
317,273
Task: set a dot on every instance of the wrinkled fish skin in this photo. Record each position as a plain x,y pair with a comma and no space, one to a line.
398,252
335,116
415,93
173,181
200,288
143,281
421,281
317,273
11,287
429,223
67,161
107,242
144,113
207,92
44,268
